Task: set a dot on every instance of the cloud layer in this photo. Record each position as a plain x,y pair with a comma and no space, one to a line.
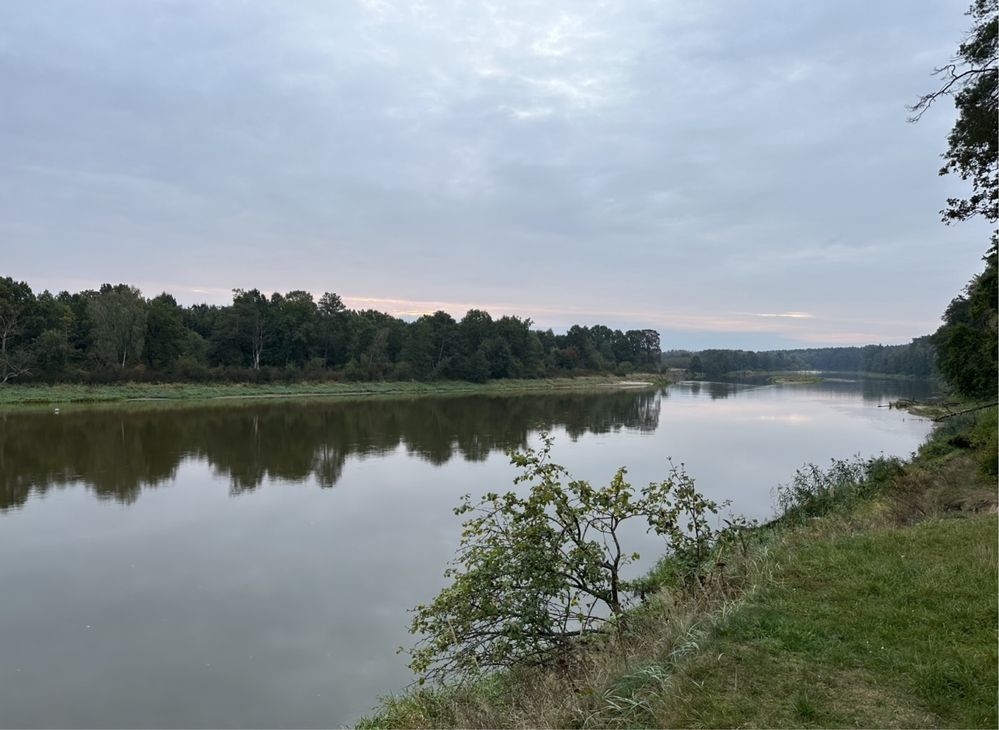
742,170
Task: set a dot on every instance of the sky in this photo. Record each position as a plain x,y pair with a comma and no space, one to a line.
732,174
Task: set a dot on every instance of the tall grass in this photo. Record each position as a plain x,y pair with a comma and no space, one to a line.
815,492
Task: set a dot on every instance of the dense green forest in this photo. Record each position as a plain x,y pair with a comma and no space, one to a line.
915,358
967,341
114,333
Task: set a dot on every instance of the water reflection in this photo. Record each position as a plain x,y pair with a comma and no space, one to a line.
119,453
285,608
845,385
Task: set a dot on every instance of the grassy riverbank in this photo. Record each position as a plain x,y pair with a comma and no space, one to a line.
795,378
871,604
22,395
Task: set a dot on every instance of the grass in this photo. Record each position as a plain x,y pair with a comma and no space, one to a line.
12,395
795,378
872,603
888,628
585,690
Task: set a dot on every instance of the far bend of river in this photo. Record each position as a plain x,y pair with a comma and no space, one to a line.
251,564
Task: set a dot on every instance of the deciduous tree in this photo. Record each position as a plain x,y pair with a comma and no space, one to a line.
967,343
16,298
165,332
118,314
538,569
971,79
252,316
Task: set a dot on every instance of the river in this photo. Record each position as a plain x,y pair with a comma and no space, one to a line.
250,564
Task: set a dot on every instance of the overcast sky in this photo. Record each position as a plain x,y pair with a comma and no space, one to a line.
730,173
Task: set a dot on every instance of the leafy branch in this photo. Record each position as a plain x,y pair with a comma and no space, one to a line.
539,570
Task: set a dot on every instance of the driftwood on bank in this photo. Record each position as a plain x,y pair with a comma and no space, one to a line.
910,404
966,410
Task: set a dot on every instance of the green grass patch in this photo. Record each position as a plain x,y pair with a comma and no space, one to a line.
12,395
892,627
795,378
871,603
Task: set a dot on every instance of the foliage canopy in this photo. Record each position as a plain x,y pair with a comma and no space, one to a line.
117,334
971,78
539,570
967,343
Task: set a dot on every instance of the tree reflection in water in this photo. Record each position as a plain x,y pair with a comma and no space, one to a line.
118,453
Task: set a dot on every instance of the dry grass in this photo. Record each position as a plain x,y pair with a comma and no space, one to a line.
953,483
610,683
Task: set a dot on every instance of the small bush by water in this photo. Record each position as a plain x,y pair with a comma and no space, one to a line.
814,492
870,602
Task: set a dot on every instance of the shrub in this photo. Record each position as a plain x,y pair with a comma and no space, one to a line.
536,574
985,437
188,368
814,491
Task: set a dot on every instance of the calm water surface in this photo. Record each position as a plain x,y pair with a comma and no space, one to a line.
251,565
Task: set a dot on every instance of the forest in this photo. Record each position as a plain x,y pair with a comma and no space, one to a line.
916,358
116,334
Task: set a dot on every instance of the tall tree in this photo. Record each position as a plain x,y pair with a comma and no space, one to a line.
646,346
252,314
165,332
295,317
967,341
330,327
967,344
119,320
16,299
971,78
443,339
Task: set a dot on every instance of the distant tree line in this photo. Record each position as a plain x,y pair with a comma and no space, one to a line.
916,358
115,333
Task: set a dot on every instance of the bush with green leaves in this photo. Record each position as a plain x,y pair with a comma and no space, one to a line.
814,491
539,570
984,437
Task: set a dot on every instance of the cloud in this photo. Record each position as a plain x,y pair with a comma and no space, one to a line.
677,165
789,315
788,325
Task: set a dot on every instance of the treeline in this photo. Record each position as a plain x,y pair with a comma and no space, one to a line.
916,358
115,333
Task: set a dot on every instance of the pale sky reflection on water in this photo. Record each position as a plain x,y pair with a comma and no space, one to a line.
170,571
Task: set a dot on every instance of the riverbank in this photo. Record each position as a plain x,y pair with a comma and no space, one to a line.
795,378
13,395
869,604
